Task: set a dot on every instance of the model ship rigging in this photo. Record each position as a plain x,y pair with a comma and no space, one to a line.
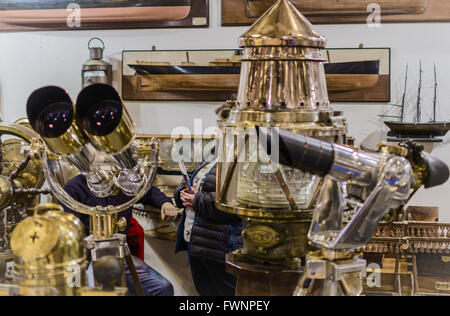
418,131
223,74
57,11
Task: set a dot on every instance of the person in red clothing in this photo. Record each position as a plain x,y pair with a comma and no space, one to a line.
135,237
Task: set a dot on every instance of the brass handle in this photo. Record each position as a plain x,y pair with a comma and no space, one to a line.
121,224
442,286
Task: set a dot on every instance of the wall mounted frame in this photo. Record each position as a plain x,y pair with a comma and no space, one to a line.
129,14
239,12
353,75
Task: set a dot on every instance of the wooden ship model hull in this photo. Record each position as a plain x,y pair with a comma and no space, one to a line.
57,11
426,130
256,8
341,77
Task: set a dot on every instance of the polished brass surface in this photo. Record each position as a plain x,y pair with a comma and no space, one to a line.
19,130
311,123
279,78
46,247
275,215
276,242
283,25
123,134
71,142
42,236
262,236
282,84
103,226
6,192
282,66
119,139
13,154
24,121
122,224
21,177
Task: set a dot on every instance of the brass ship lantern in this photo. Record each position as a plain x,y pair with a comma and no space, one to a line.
283,85
96,70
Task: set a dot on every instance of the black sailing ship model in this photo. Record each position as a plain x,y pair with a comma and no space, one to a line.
418,131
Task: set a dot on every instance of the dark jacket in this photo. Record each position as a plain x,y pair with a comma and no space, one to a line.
78,189
214,233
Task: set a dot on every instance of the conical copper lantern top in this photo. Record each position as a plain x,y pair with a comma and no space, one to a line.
282,25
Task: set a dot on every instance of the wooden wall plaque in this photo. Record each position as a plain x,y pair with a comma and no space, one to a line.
243,12
21,15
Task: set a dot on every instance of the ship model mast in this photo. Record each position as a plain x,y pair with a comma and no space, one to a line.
418,131
435,94
403,102
402,113
419,97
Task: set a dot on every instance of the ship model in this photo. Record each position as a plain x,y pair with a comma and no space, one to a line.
418,130
344,8
224,75
56,11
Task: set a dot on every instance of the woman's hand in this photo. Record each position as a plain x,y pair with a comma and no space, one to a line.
188,198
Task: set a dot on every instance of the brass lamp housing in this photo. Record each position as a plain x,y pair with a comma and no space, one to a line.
282,85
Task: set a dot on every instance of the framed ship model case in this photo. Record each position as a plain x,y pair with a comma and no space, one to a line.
353,75
19,15
245,12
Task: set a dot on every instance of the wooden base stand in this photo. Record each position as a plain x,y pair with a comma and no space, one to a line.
261,280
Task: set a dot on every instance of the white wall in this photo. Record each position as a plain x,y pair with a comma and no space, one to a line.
31,60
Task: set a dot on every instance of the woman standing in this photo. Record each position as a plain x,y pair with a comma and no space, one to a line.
207,233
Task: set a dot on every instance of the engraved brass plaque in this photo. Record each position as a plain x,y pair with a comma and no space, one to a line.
262,236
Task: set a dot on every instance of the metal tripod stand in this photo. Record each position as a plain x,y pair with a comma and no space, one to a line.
332,273
105,242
